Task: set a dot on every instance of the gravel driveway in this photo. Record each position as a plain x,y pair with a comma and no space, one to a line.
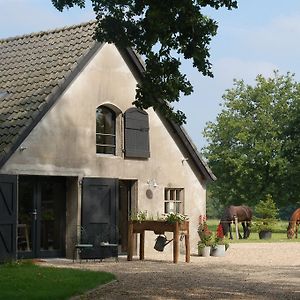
248,271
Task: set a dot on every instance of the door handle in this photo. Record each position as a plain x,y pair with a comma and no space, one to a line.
34,213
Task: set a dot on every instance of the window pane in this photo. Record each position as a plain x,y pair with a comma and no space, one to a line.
178,192
105,120
105,139
167,207
166,194
105,130
172,194
105,149
178,206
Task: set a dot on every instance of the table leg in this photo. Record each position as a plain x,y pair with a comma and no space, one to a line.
176,243
187,247
142,245
130,242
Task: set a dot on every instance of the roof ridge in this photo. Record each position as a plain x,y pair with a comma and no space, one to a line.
42,32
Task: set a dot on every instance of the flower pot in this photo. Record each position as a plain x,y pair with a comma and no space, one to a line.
204,251
218,250
265,234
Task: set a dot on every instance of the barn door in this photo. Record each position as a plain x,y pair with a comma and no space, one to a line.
99,209
8,217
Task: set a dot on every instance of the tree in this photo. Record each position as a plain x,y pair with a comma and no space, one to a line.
254,143
266,214
163,32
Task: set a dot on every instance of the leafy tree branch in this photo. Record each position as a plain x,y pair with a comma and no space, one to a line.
164,32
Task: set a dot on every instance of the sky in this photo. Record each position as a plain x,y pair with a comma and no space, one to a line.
257,38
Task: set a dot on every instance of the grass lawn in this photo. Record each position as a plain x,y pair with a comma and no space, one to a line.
278,235
24,280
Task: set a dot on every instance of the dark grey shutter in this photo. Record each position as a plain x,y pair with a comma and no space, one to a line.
8,217
136,133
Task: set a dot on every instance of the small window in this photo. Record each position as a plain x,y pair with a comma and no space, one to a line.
105,130
174,200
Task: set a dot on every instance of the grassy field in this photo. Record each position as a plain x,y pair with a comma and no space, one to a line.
278,235
28,281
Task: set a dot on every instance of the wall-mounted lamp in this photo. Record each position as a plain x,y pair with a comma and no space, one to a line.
152,183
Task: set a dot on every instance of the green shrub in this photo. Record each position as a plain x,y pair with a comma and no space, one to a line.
266,214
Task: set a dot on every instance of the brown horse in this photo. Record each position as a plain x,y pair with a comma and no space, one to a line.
294,224
243,214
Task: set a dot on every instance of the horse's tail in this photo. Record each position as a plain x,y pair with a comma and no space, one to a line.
224,221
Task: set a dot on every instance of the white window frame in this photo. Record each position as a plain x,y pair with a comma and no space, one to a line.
174,200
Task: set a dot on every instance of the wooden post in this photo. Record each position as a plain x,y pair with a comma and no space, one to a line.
176,243
130,241
142,245
236,227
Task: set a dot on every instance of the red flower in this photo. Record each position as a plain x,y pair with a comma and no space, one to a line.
220,233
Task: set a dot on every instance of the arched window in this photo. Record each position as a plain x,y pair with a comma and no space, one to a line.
105,130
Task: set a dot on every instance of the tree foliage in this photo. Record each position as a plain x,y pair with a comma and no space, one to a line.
163,31
254,145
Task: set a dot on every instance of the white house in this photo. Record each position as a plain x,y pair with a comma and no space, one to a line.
75,151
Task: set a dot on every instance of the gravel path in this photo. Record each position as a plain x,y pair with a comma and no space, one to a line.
248,271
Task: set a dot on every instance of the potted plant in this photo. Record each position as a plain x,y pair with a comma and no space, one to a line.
175,217
266,217
220,243
205,243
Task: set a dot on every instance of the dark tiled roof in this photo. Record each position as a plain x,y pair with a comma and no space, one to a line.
32,69
35,69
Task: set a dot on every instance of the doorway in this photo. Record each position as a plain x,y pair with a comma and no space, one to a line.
41,216
127,207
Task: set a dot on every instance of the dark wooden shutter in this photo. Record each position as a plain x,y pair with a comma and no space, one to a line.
136,133
8,217
99,209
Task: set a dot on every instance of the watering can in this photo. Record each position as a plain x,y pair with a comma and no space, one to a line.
161,242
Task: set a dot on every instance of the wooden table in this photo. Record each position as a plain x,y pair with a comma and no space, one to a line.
159,227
